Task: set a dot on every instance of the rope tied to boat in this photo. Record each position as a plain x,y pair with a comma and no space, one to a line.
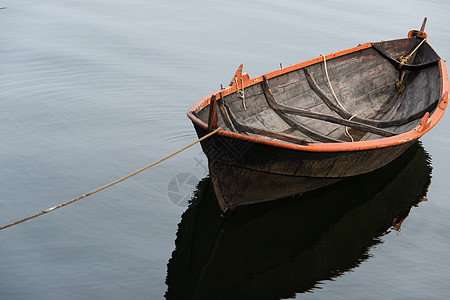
347,133
110,184
240,92
403,60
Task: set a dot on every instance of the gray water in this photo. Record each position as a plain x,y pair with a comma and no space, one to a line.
93,90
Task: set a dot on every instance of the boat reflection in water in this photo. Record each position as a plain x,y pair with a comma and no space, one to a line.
276,249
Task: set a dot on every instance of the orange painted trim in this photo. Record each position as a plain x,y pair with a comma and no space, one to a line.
411,135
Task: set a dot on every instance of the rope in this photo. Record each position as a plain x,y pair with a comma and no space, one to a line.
241,93
404,60
109,184
335,97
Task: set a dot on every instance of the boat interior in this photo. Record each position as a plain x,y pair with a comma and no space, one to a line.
380,91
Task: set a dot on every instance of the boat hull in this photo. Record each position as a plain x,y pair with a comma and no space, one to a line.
276,250
237,167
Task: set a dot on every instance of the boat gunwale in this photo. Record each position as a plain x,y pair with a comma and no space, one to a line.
413,134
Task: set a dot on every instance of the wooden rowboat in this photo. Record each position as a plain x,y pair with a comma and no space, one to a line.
322,120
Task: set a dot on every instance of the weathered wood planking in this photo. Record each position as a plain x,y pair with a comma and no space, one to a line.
371,95
292,133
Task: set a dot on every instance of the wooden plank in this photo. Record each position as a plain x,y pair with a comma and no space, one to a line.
212,119
305,130
304,113
376,123
224,114
396,63
280,136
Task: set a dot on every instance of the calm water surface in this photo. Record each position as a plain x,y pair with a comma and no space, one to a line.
93,90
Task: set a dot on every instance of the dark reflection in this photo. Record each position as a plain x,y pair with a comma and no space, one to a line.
276,249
